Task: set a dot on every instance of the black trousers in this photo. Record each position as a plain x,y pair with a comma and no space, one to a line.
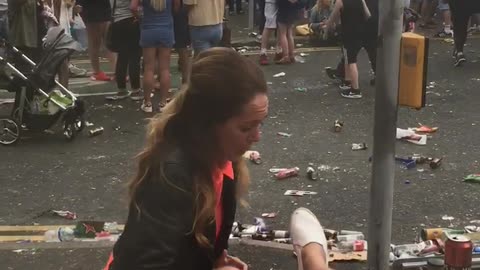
461,11
231,5
127,35
260,15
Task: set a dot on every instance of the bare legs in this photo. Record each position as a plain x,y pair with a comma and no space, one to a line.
151,57
96,37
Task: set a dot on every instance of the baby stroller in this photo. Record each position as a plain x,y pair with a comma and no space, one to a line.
38,104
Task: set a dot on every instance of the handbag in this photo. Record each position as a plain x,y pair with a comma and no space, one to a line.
110,40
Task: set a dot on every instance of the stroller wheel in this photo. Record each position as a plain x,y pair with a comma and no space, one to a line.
9,131
69,131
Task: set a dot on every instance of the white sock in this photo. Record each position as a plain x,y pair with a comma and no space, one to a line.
447,29
263,51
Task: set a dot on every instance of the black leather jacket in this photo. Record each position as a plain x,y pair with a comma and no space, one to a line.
160,237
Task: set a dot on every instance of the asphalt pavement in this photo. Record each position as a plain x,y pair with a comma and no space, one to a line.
89,176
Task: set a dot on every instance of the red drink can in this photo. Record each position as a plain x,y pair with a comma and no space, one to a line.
458,253
287,173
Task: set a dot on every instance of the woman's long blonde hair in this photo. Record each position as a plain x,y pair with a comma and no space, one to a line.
159,5
222,82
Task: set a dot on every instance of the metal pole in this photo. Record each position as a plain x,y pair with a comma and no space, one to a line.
251,14
386,107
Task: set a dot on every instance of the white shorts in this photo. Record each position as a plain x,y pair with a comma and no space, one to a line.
271,15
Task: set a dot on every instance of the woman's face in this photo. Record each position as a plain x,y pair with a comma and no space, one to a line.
237,135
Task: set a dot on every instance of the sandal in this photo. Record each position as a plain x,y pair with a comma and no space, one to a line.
284,61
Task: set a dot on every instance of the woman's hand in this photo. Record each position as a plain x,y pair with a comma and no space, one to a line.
77,9
226,262
134,7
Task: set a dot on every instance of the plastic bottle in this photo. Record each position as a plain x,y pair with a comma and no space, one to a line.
62,234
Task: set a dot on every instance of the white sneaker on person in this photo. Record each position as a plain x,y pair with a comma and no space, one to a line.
118,96
305,229
148,108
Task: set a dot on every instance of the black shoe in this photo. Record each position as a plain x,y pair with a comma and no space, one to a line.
459,59
352,93
345,85
443,34
333,74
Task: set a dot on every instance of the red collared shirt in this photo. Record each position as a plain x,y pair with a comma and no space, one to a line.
218,177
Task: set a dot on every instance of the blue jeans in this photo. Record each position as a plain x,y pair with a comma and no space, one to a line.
205,37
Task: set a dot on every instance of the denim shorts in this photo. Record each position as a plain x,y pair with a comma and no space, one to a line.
443,5
205,37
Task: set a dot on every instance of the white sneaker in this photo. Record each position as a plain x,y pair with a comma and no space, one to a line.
305,229
148,108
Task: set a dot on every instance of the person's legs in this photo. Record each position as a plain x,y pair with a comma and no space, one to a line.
314,257
63,73
283,40
352,48
426,11
94,42
149,61
460,17
447,20
112,57
164,74
291,43
121,70
239,6
184,62
262,20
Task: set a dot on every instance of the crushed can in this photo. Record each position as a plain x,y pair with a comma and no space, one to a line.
283,240
431,233
435,163
359,146
338,125
330,234
287,173
95,132
277,170
312,174
410,249
419,159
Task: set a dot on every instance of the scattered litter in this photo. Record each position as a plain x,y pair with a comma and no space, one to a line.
299,45
253,34
472,178
49,131
359,146
88,124
449,218
323,168
476,221
408,163
95,132
299,193
300,89
424,129
19,250
407,182
284,134
269,83
435,163
281,74
95,157
276,170
287,173
312,174
113,106
411,136
338,125
117,128
420,170
65,214
269,215
300,59
304,54
253,156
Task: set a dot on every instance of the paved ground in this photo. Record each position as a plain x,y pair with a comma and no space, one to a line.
89,175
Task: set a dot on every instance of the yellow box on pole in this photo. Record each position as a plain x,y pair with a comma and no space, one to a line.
413,70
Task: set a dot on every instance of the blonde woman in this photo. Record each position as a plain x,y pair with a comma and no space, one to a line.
191,172
156,39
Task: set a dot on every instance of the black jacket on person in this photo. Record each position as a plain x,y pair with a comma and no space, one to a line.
160,236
